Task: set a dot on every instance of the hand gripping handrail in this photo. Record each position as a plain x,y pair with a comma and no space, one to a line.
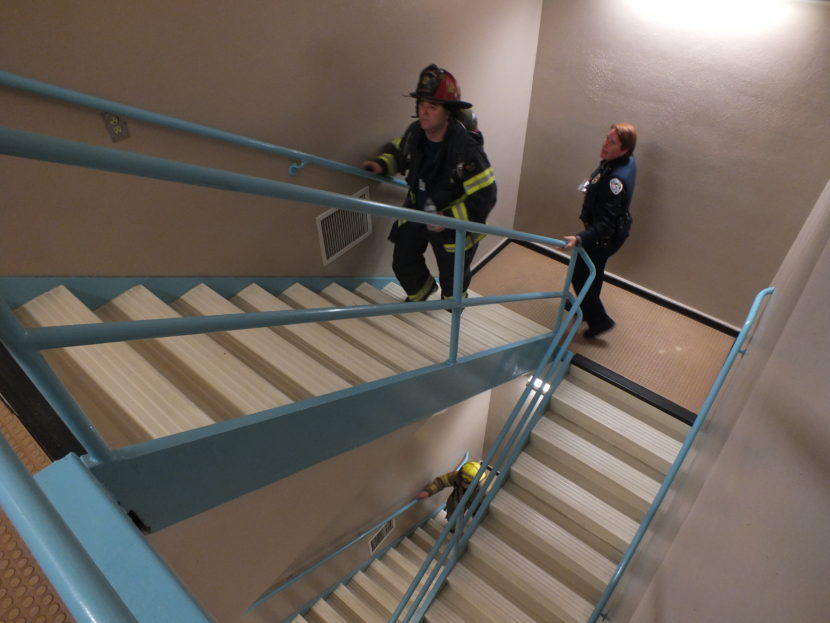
90,101
681,456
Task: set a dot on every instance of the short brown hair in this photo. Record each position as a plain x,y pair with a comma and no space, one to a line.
627,134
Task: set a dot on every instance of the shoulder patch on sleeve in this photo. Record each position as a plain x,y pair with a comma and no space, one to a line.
616,185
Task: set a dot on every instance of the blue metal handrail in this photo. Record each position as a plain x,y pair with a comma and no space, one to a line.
313,567
86,592
328,557
681,456
90,101
29,341
24,343
496,464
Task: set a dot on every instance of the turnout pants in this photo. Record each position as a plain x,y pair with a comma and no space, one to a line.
410,267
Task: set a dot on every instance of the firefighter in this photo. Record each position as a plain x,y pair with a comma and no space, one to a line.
459,480
447,171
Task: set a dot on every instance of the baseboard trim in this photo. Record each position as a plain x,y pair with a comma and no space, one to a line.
638,391
653,297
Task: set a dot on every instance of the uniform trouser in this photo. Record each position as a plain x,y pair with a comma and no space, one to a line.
410,267
592,308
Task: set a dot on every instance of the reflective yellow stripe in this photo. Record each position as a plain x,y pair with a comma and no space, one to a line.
421,294
459,210
389,161
477,182
471,240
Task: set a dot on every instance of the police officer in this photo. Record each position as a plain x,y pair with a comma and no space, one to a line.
606,218
447,172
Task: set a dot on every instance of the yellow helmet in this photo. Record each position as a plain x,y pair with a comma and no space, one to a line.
469,470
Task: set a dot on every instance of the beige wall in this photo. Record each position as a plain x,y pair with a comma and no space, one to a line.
230,555
323,77
745,536
733,147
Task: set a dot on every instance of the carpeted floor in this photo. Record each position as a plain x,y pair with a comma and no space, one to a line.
664,351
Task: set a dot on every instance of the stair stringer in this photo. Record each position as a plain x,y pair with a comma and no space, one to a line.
164,481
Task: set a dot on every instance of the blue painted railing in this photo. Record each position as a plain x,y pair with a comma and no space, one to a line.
24,343
496,465
737,349
313,567
90,101
84,589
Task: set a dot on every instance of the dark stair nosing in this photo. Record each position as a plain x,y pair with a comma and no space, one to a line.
638,391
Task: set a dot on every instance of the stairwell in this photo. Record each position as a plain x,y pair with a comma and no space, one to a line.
554,533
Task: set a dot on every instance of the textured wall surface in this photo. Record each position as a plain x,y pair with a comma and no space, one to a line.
734,135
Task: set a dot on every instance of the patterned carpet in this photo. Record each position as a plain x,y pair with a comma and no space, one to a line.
664,351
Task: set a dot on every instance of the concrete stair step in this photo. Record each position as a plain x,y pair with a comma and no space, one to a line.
487,336
348,361
276,359
618,427
426,345
437,327
375,595
540,594
513,326
522,325
212,377
634,489
352,607
324,612
467,592
629,403
596,515
550,545
359,332
124,396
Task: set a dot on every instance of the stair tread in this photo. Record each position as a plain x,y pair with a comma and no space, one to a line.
573,501
439,612
489,603
439,328
520,323
428,346
388,577
532,582
369,590
514,327
600,466
147,404
617,426
659,419
487,336
350,362
569,551
265,350
347,602
359,332
325,613
200,366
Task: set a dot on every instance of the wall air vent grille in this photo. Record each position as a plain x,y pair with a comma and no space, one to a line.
380,535
340,230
